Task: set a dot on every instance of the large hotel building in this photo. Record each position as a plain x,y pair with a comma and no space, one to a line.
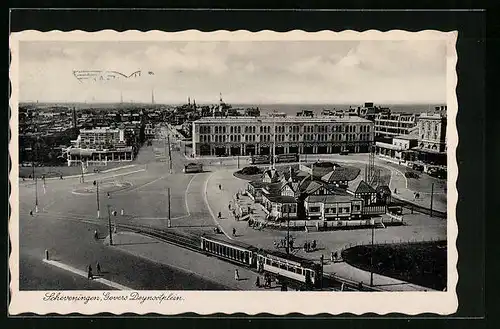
255,135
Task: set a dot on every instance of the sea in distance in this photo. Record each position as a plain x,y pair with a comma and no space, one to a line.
292,109
265,109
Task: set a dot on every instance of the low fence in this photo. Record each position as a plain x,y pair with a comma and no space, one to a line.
390,242
320,225
415,207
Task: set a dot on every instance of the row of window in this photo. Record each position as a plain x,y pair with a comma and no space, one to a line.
342,210
283,138
205,129
284,266
242,256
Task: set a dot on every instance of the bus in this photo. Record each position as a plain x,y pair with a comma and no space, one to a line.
193,168
291,157
259,159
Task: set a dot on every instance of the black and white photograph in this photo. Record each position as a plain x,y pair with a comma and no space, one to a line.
225,171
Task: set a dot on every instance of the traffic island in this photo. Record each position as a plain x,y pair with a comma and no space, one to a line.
104,187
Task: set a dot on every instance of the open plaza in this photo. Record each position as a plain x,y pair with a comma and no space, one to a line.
335,209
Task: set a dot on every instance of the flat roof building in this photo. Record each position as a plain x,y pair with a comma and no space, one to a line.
306,135
394,124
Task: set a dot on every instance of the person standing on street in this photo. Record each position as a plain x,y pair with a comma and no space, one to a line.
90,275
98,268
236,275
234,231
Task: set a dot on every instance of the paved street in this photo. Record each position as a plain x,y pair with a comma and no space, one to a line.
68,210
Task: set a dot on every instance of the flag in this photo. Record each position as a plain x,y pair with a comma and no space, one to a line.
151,73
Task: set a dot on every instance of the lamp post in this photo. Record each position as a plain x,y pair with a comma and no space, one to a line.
96,183
371,256
109,227
34,176
288,230
169,154
432,196
169,222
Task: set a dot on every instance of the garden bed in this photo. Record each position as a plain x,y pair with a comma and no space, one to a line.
422,263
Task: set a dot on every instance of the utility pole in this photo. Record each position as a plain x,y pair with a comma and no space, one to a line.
432,196
371,256
169,223
109,227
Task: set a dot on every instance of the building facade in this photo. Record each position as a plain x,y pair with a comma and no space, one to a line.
99,146
432,131
306,135
394,124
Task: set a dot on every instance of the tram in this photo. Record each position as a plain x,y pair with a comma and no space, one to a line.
259,159
292,157
278,264
193,168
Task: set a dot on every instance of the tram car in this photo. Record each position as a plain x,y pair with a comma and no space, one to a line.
259,159
193,168
291,157
278,264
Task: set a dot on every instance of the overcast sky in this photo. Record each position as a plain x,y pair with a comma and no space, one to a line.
315,72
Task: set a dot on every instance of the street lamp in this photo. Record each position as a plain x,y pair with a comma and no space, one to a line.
371,255
109,226
96,184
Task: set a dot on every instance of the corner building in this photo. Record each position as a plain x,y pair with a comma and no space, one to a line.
306,135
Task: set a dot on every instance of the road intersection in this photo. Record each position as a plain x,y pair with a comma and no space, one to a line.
138,194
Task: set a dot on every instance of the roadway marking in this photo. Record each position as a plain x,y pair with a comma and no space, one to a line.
210,209
186,196
84,274
144,185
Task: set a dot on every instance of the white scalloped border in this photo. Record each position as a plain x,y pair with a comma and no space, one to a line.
251,303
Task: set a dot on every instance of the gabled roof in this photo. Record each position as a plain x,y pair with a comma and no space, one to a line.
361,187
281,198
272,174
341,174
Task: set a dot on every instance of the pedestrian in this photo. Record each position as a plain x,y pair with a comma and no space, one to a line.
234,231
31,213
218,215
305,229
313,246
109,196
90,276
98,268
96,235
360,286
229,207
257,282
220,187
332,257
236,275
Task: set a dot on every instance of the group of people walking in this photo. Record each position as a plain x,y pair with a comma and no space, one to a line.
90,273
310,246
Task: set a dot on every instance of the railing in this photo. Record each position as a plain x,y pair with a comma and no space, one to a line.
414,207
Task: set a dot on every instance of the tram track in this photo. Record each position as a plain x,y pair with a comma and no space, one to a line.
187,241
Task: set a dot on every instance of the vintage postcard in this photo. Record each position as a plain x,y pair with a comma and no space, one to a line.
233,172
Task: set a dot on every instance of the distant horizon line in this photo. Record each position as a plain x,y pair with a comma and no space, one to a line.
242,103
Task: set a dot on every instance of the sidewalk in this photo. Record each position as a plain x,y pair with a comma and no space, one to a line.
385,283
207,267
